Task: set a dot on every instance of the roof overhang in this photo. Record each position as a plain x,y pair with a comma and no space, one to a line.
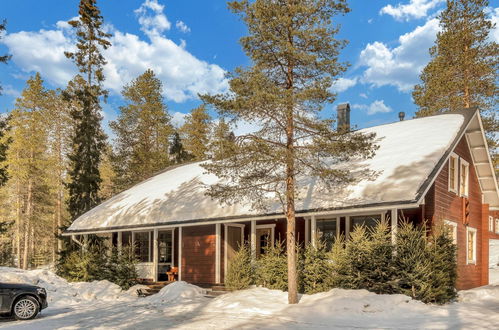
357,210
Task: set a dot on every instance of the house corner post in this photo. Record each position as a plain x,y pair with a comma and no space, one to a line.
313,229
484,245
218,230
394,224
120,241
253,239
155,255
180,253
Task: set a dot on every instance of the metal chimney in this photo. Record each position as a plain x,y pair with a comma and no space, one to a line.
343,117
401,115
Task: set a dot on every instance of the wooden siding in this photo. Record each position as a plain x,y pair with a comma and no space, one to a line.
441,204
198,254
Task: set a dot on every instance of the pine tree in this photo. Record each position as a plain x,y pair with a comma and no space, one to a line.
88,137
28,166
59,142
3,58
108,187
222,140
462,72
142,132
294,57
178,154
4,144
271,268
196,132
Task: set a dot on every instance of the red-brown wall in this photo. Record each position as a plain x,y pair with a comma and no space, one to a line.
441,204
198,254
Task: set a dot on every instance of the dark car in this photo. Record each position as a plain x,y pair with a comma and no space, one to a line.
23,301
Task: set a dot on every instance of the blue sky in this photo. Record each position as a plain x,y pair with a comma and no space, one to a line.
191,44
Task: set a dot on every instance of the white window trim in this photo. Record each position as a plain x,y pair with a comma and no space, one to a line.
173,247
456,173
454,229
491,224
467,183
272,231
468,229
497,226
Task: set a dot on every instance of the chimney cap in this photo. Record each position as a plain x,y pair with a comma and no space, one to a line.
401,115
343,106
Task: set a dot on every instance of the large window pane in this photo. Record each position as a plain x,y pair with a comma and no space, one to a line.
165,246
142,245
326,231
365,220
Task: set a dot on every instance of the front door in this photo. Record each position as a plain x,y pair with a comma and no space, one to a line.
233,241
165,253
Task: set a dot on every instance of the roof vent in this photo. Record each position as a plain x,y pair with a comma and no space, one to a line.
343,117
401,115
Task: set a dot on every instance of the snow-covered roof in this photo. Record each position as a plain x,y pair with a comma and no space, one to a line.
408,157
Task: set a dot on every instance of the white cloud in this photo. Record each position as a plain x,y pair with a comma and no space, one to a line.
178,119
414,9
151,18
399,66
377,106
494,15
182,74
182,27
342,84
363,95
9,90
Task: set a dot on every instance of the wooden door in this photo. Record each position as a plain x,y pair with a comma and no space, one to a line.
233,241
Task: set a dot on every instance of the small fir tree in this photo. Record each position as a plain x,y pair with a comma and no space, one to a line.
196,132
240,272
317,269
271,268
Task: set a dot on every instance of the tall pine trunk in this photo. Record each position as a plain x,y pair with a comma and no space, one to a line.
27,227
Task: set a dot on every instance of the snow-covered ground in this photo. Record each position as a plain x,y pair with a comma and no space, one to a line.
183,306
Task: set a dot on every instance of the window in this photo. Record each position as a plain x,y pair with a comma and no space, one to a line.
491,224
497,226
453,177
165,246
470,245
366,220
451,227
327,231
142,241
464,178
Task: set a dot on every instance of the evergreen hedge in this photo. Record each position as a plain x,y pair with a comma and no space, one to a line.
421,266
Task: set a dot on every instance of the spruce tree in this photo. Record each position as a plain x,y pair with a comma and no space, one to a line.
240,272
294,52
196,132
178,154
88,137
142,131
317,269
462,72
3,58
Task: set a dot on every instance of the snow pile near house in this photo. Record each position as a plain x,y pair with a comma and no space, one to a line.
316,307
176,292
61,292
488,292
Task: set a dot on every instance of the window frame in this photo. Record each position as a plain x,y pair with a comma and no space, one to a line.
454,229
474,231
467,178
497,226
454,189
491,224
